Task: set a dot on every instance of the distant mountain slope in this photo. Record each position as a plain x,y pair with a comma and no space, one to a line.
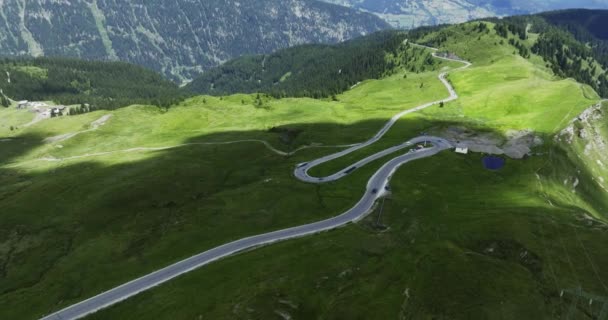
100,85
413,13
565,40
584,24
178,38
569,42
590,27
316,70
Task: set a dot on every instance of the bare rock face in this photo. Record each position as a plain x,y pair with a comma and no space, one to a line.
587,136
589,129
517,145
520,143
584,127
179,38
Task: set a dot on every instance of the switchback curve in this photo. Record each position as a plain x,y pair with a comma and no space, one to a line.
376,188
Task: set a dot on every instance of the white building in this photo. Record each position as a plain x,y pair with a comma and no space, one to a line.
22,104
38,104
462,150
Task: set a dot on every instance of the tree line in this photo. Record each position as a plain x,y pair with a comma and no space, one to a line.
569,50
573,43
315,71
97,84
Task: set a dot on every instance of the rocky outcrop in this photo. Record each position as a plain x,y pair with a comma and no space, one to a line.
586,127
517,145
587,137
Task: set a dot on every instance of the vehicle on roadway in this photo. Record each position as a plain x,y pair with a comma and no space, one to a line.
134,287
350,170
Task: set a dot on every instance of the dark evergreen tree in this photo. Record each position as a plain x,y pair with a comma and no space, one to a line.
102,85
316,71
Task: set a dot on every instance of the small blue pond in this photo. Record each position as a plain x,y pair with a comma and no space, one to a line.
493,162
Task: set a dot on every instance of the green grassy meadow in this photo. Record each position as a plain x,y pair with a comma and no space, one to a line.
454,241
493,250
138,211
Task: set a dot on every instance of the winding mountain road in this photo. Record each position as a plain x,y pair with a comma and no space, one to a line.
376,188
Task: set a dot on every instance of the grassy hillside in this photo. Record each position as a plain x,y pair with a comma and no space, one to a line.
572,42
316,70
156,205
587,27
584,141
509,244
569,42
461,243
454,241
502,91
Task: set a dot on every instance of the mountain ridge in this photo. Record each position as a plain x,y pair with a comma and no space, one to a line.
415,13
566,40
179,39
87,209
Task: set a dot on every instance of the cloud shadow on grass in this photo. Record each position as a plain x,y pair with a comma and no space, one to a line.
83,227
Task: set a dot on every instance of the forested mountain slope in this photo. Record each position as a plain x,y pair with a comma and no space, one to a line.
152,187
316,70
587,26
582,23
569,42
178,38
97,84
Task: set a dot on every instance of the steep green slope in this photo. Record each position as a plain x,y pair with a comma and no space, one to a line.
584,141
322,71
181,38
315,70
587,26
582,23
454,240
567,52
131,210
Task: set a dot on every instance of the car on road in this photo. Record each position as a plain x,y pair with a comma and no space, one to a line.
374,191
350,170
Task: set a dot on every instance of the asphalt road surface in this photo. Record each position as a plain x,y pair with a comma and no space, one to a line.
376,188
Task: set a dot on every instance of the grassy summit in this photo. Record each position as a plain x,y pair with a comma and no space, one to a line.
454,241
